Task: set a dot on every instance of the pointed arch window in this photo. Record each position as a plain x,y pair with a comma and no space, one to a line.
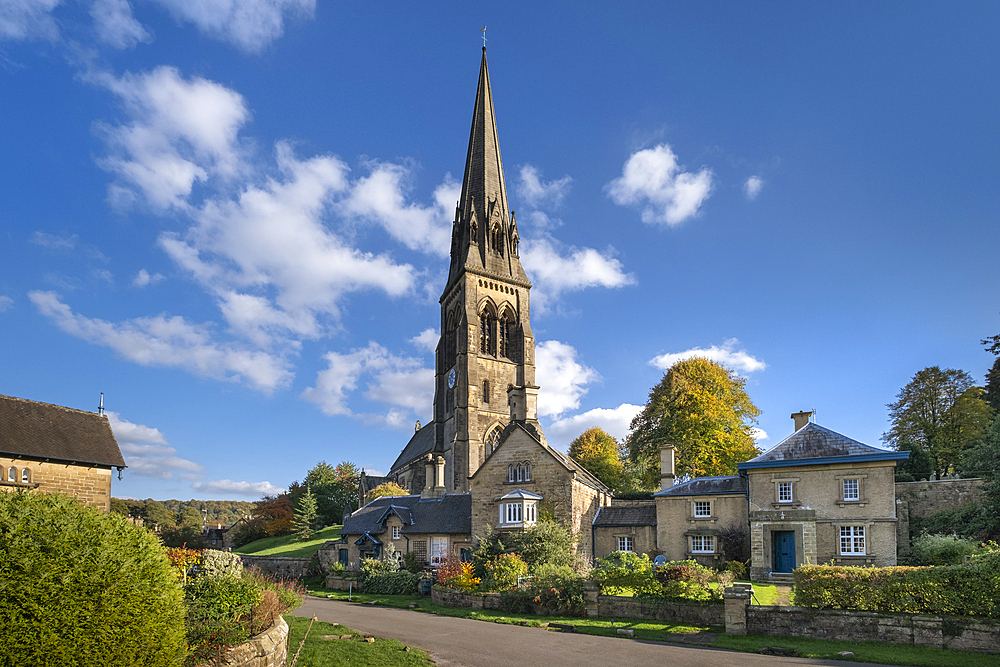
487,335
510,473
497,240
527,471
503,336
493,438
26,476
486,391
12,474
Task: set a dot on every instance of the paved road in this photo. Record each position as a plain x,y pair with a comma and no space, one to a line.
462,642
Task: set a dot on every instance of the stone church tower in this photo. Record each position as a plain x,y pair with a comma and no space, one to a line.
485,359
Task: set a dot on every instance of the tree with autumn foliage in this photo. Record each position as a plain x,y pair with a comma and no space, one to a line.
600,455
334,488
387,489
704,411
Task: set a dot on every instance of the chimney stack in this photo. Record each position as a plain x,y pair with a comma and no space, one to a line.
802,418
667,476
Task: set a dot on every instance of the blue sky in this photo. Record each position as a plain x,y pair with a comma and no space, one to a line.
233,218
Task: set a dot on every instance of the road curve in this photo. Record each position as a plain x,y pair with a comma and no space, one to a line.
462,642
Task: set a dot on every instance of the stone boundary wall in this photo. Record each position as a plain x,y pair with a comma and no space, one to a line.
926,498
953,632
608,606
268,649
281,566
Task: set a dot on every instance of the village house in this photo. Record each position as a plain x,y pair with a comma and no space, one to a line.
57,450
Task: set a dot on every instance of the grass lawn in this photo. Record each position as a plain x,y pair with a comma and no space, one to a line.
290,545
320,652
877,652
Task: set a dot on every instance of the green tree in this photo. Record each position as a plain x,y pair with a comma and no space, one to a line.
918,466
305,515
599,454
157,515
940,411
993,375
703,410
333,486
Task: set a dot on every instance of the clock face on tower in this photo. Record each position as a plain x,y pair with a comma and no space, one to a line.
451,378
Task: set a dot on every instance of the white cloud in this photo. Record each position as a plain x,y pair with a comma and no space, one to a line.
115,24
753,186
758,434
104,274
540,222
55,242
614,421
726,354
147,452
271,261
182,131
426,340
6,303
227,486
28,19
144,278
555,269
401,382
171,342
652,178
537,193
250,25
380,197
562,379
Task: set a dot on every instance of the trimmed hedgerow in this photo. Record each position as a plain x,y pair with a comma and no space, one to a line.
81,587
972,589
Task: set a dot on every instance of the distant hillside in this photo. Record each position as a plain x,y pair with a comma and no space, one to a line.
226,512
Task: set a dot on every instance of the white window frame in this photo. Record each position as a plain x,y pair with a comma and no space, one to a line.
527,471
786,497
520,473
703,544
511,513
12,474
702,509
439,549
25,476
851,488
852,541
510,472
396,532
626,543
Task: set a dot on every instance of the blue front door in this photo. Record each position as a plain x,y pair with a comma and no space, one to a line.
783,550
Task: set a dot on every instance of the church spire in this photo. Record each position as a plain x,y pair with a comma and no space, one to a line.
485,235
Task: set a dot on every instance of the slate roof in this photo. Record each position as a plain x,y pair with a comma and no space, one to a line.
706,486
45,431
626,515
521,494
814,444
449,515
421,443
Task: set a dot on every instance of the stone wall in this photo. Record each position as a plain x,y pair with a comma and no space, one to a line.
926,498
969,634
608,606
281,566
88,484
268,649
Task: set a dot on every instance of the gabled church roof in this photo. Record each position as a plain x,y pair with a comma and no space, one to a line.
421,443
815,445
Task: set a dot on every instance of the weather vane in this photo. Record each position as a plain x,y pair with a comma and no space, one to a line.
484,36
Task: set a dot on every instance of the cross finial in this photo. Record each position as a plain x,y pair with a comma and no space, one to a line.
483,31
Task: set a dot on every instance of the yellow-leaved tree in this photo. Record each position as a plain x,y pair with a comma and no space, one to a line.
703,410
599,453
387,489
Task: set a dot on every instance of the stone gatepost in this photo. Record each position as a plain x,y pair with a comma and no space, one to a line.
737,599
590,593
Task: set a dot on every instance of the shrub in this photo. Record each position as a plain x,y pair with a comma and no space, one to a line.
686,579
941,550
972,589
227,596
411,564
545,543
183,559
559,590
290,592
503,571
401,582
459,576
626,570
220,564
736,568
81,587
338,567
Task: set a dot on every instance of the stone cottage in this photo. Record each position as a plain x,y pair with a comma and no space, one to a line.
55,449
820,497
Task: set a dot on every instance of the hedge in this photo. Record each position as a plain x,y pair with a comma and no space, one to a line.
81,587
402,582
972,589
